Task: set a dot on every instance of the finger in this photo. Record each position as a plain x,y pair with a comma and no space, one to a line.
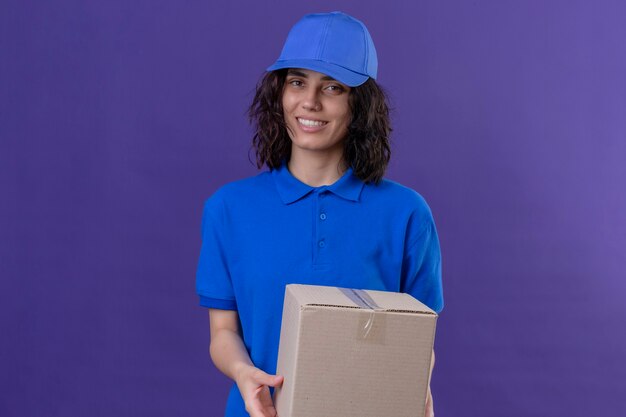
429,412
278,380
266,379
261,404
258,410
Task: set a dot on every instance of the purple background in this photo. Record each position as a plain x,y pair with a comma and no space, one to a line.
118,118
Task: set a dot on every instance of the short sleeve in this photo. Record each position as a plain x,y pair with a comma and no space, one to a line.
421,269
213,280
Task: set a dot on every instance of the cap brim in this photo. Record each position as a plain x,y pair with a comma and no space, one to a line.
346,76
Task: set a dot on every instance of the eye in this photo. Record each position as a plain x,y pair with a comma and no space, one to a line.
335,88
295,83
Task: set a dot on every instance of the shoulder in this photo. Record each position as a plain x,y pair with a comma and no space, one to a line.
395,195
237,192
240,188
406,207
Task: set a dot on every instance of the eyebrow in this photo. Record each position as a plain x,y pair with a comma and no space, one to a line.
302,74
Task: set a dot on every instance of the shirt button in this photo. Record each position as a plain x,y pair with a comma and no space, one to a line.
323,216
321,243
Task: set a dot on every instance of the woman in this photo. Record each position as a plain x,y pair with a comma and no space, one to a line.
322,214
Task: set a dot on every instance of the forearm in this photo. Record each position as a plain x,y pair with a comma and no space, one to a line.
229,353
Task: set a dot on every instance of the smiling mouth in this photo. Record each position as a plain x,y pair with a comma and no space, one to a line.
310,123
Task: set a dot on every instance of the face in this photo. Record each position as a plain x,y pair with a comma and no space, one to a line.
316,110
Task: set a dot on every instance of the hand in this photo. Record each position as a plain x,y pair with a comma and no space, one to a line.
429,411
254,386
429,405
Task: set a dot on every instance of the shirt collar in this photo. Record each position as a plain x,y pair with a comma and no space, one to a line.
291,189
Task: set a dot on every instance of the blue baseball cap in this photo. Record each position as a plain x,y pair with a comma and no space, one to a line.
334,44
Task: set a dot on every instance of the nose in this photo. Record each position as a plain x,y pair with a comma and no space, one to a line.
311,101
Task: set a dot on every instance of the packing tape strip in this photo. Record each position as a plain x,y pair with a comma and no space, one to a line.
371,326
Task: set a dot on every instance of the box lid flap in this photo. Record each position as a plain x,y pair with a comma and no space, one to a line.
317,295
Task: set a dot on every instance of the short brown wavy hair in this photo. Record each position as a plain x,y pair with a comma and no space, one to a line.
366,148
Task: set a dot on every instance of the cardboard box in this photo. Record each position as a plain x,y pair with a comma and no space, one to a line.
353,353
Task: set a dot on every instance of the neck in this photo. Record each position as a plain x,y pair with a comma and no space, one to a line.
316,170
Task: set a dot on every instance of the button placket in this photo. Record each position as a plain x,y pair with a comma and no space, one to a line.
320,218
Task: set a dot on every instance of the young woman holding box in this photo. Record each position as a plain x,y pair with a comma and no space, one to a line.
321,214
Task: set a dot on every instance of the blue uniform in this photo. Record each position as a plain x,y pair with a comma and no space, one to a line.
264,232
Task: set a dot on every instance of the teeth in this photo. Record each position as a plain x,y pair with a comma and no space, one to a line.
306,122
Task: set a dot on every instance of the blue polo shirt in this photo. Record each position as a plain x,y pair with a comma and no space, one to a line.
264,232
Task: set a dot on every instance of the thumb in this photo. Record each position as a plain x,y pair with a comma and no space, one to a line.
267,379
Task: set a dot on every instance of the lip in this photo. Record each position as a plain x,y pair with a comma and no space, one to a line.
310,129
